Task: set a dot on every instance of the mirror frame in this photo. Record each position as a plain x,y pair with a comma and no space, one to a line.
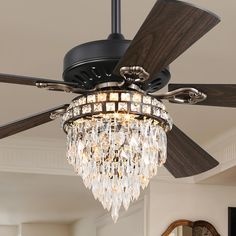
191,224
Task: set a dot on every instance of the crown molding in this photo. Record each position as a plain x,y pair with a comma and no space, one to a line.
165,176
48,156
223,149
34,155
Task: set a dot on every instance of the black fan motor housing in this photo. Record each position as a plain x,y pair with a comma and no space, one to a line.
92,63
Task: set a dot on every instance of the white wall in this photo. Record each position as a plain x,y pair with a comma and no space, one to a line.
129,223
8,230
45,230
84,227
167,202
172,201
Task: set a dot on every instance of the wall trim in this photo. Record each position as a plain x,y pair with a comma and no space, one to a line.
223,149
34,155
48,156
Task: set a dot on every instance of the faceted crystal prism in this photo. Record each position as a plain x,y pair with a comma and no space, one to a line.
147,99
155,102
122,106
69,114
82,100
156,111
91,98
86,109
102,97
146,109
125,97
135,107
110,106
114,96
97,107
76,111
76,103
137,97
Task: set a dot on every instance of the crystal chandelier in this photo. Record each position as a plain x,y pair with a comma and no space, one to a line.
115,141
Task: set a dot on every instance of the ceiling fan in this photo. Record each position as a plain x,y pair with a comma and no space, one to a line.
122,70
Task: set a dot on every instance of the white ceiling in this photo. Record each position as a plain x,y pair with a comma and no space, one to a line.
35,35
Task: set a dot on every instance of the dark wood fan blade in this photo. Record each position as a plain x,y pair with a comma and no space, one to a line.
169,30
25,80
186,158
221,95
28,122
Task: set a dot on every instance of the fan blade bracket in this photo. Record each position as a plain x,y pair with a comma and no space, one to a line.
54,86
218,95
58,113
183,96
60,87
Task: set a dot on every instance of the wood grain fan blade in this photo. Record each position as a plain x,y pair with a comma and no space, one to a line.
221,95
186,158
28,122
26,80
169,30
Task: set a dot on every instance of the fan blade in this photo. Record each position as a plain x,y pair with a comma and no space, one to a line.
186,158
169,30
32,81
221,95
28,122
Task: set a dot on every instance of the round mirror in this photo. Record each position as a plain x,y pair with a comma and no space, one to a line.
182,231
189,228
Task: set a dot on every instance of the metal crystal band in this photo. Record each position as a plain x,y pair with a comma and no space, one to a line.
117,101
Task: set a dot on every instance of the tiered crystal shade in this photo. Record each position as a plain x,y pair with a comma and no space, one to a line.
116,140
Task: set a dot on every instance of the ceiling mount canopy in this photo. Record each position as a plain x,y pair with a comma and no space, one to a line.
118,131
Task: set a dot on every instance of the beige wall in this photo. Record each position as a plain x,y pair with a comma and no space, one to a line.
45,230
130,223
84,227
170,202
167,202
8,230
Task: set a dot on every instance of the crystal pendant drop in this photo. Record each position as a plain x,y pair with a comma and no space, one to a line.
119,170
